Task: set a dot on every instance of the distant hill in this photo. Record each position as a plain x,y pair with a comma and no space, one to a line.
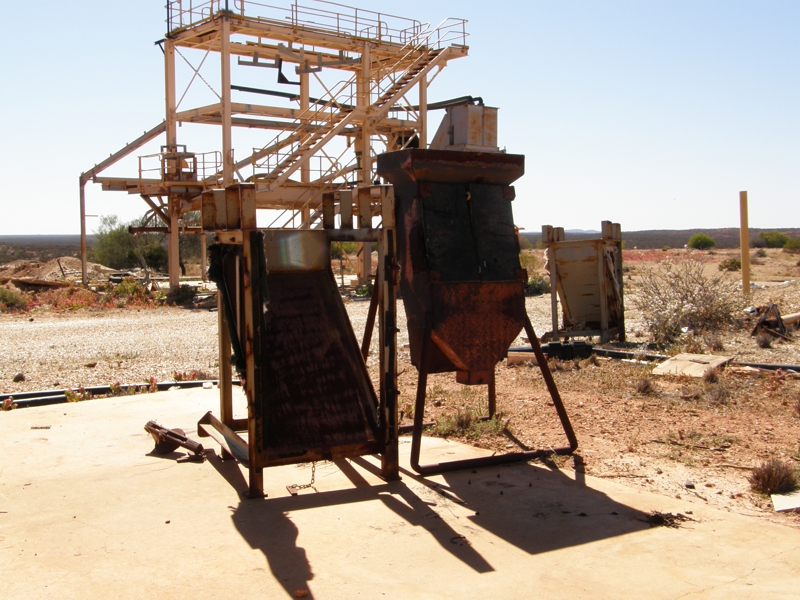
672,238
40,247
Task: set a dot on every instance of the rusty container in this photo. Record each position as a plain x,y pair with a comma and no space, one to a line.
461,281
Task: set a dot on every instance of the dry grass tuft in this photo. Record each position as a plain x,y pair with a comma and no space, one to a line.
591,361
773,477
711,375
645,386
556,364
690,392
718,394
714,342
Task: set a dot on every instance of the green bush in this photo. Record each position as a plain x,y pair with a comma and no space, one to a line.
701,241
792,245
774,239
537,285
113,244
156,256
731,264
12,300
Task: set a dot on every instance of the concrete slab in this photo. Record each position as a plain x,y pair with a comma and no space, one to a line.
87,512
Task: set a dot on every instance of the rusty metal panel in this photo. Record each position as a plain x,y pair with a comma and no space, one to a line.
447,166
315,396
214,214
293,250
449,243
328,210
232,205
475,323
364,208
495,236
346,209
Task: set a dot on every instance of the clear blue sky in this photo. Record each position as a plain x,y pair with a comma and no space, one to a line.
651,113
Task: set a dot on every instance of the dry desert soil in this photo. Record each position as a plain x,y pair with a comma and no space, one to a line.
678,436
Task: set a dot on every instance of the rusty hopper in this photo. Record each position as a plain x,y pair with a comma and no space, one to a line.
461,281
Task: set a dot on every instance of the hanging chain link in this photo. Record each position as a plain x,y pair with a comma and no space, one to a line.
311,483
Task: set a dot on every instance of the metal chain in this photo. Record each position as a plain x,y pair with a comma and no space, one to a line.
313,477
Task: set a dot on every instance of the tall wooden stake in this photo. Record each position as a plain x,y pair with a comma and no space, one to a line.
744,242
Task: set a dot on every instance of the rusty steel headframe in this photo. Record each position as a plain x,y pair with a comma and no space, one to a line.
462,285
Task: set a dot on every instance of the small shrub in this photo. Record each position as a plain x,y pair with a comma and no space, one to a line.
792,245
8,404
731,264
407,411
701,241
77,396
714,342
12,300
537,285
764,340
184,376
181,295
679,295
364,291
773,477
774,239
760,253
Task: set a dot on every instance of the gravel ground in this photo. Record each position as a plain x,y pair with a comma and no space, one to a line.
100,347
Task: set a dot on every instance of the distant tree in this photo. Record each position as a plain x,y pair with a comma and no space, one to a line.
701,241
774,239
113,245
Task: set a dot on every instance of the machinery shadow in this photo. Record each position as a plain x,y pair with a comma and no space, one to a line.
537,509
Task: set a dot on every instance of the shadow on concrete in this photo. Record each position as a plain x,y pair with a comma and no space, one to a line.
535,508
538,509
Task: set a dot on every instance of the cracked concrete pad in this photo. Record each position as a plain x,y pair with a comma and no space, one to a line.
86,511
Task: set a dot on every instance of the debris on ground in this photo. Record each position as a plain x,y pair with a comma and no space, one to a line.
659,519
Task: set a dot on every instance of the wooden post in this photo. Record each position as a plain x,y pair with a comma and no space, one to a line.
744,242
548,236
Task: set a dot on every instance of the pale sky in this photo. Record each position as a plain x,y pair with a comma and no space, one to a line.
653,114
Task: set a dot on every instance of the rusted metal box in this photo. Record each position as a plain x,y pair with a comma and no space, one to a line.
467,127
459,256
